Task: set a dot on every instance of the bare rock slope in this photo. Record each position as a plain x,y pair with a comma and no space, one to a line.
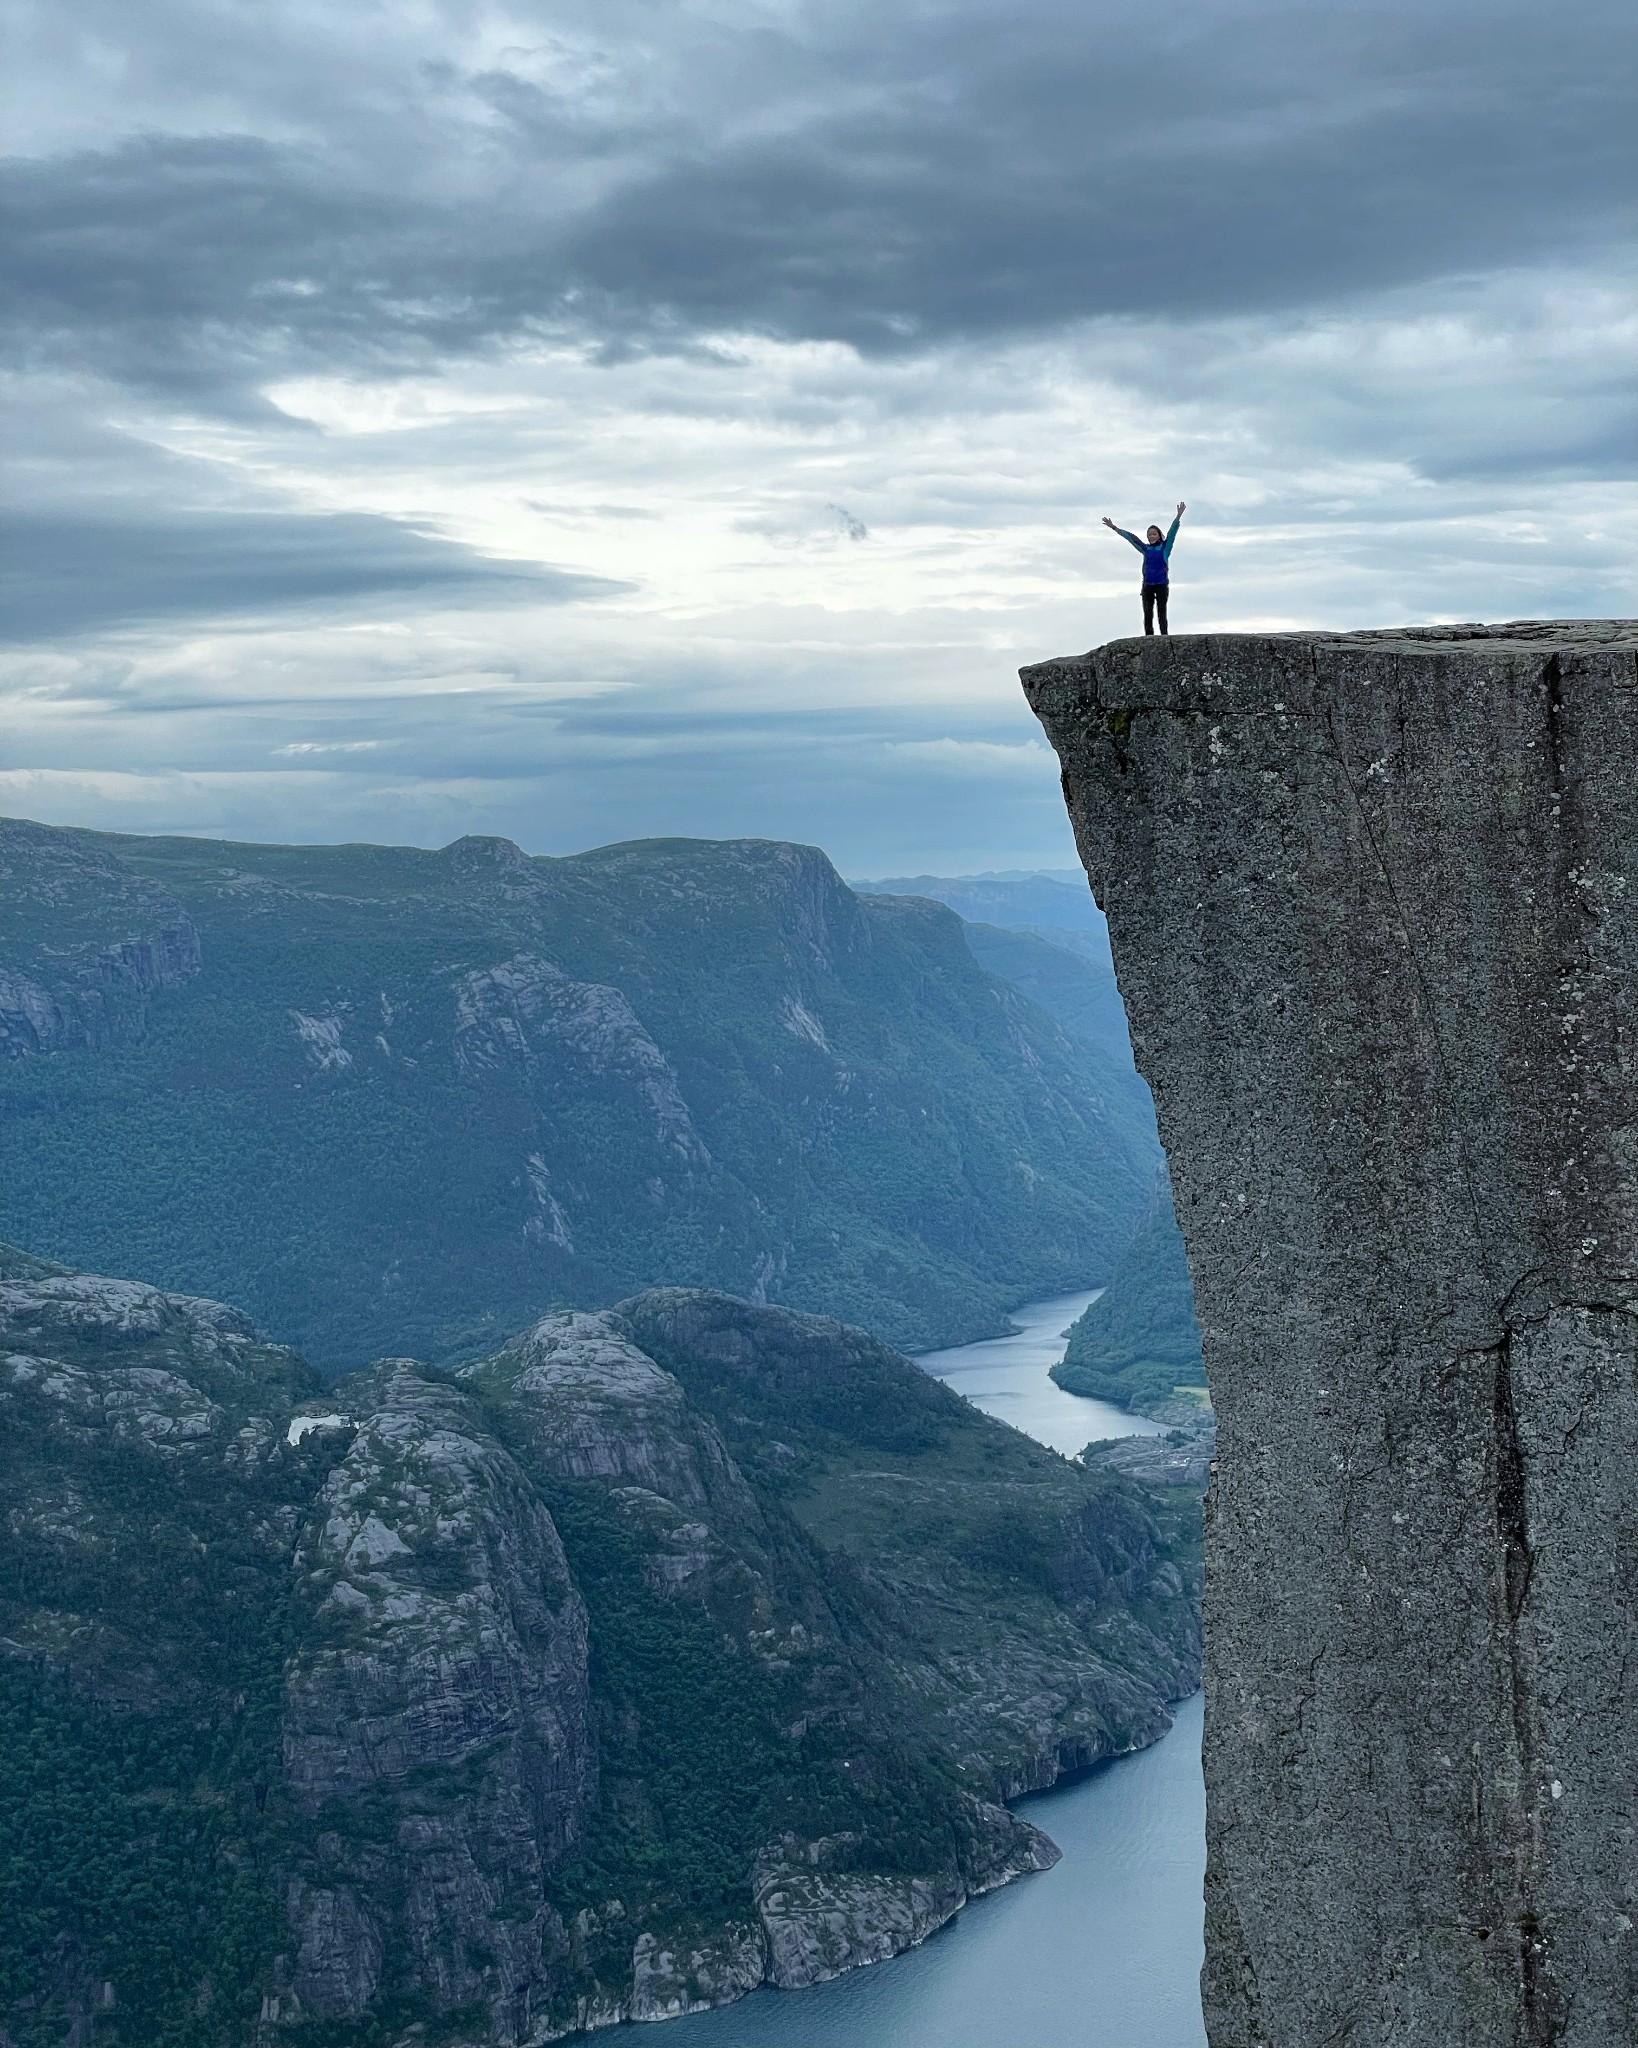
1374,907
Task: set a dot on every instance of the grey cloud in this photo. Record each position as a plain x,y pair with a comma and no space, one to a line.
960,171
1175,195
182,264
67,573
1050,167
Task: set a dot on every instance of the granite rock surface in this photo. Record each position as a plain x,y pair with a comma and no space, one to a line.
1373,900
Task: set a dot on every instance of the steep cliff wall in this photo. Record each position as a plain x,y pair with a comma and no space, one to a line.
1374,907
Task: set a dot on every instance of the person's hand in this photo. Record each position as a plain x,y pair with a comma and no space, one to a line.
1181,508
1110,524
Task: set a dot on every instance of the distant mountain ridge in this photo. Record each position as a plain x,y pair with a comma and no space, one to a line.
1047,965
663,1652
1025,899
388,1097
1043,932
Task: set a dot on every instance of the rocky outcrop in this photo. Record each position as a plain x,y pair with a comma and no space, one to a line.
670,1978
598,1407
437,1718
82,1337
1095,1632
528,1014
585,1403
587,1684
1374,907
821,1915
98,939
1182,1457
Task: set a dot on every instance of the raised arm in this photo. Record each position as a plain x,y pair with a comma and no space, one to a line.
1172,532
1121,530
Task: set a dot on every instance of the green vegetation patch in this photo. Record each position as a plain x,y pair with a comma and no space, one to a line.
132,1895
1138,1345
707,1754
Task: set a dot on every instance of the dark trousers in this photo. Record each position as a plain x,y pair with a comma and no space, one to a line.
1154,600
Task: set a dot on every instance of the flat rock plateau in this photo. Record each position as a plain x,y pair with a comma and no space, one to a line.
1373,900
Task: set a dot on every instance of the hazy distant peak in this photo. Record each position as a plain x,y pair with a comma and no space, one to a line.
1018,901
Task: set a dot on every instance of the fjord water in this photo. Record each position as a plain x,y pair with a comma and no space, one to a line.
1010,1378
1102,1951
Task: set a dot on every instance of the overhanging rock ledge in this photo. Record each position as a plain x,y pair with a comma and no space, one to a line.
1373,899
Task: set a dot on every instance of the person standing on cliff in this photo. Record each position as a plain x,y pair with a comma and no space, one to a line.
1157,555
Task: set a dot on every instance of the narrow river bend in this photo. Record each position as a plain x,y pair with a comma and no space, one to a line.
1104,1950
1010,1378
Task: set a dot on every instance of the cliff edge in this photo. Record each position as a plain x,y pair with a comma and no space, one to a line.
1373,899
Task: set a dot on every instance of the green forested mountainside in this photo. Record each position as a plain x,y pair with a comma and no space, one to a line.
664,1651
387,1097
1046,935
1021,926
1079,992
1139,1341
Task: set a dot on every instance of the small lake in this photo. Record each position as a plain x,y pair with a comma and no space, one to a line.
1102,1951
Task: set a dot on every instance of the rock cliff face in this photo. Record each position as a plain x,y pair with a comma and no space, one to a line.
1374,907
665,1652
115,937
437,1699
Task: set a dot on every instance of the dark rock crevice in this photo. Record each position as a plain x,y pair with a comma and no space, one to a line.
1528,1936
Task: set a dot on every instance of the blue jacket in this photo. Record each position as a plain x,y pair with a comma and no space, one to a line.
1154,558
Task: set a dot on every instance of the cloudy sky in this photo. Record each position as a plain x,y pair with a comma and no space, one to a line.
584,422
